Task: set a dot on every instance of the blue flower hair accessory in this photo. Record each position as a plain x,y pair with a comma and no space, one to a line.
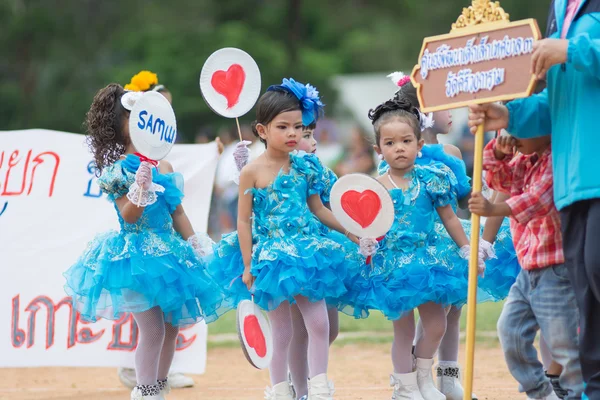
311,104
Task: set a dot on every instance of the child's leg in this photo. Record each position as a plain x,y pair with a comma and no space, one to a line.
334,324
281,325
298,355
317,326
168,351
404,334
433,318
517,328
147,355
551,366
449,345
555,308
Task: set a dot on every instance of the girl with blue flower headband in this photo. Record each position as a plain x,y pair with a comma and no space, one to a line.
281,251
298,362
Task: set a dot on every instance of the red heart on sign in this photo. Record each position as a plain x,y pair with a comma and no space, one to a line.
229,83
254,335
361,207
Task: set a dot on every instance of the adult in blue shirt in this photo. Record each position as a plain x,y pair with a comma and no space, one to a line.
569,59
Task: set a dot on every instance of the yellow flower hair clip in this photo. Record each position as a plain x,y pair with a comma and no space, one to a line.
142,81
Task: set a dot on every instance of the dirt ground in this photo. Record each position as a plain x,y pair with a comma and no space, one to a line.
360,371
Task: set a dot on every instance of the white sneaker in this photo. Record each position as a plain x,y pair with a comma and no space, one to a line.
281,391
319,388
448,380
127,377
551,396
177,380
405,387
136,394
165,388
425,380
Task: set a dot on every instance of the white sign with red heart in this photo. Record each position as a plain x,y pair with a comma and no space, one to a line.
362,205
230,82
255,335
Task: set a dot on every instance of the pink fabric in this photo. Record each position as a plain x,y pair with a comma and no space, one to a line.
572,8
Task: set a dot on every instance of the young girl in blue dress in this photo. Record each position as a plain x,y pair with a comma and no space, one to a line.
498,252
411,270
298,363
152,266
280,248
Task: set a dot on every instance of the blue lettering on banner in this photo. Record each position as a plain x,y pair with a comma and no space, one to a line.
91,167
156,125
4,207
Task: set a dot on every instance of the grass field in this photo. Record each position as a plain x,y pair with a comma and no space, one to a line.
487,316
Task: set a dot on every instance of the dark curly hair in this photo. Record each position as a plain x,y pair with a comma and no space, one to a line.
396,108
270,105
104,126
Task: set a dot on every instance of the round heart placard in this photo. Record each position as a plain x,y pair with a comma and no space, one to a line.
362,205
254,333
230,82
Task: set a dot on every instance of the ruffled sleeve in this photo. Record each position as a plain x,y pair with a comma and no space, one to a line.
438,180
173,184
383,167
436,153
115,181
329,179
310,166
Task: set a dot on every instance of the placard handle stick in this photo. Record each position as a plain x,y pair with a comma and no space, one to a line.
473,267
237,121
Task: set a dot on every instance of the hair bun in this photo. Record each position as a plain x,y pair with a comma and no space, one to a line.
397,103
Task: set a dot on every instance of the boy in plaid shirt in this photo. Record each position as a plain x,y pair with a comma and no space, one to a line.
542,297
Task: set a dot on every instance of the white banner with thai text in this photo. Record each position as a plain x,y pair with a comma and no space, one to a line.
50,207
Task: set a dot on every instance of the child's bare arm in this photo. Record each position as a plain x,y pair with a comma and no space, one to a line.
244,221
453,225
326,216
493,224
479,205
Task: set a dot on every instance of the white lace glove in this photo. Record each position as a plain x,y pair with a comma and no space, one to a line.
202,244
465,253
143,176
368,246
486,250
143,191
241,154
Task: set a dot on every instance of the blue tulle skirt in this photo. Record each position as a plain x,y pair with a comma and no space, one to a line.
134,271
500,272
312,266
402,278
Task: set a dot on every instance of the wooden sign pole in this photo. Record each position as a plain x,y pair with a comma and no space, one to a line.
481,11
481,60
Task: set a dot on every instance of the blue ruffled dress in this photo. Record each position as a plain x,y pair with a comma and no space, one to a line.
411,268
292,253
501,272
146,264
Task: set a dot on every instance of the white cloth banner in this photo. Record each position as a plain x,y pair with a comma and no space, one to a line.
50,207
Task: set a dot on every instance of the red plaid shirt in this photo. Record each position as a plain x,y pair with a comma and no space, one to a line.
535,222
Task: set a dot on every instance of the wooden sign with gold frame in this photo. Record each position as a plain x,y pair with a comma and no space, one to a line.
485,58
